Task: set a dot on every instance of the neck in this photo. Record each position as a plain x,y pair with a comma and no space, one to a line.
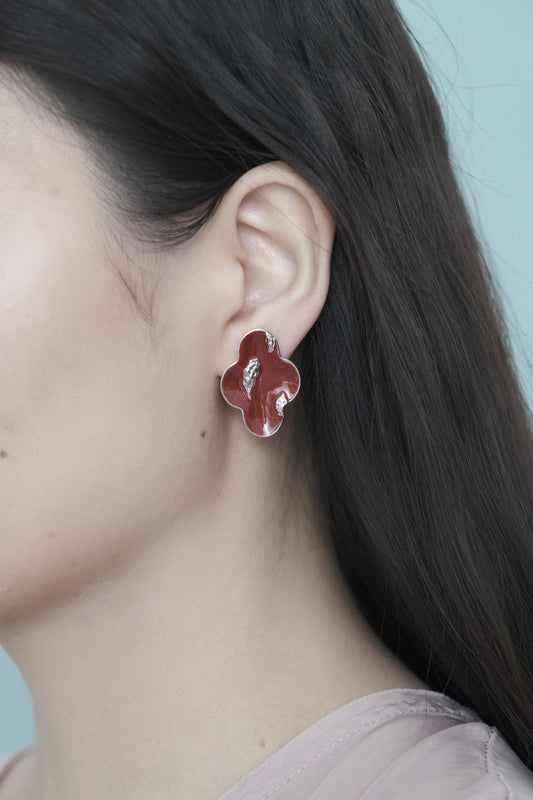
204,655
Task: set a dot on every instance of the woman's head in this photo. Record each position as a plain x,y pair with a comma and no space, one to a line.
416,430
114,428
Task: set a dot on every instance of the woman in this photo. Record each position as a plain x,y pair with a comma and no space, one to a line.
266,466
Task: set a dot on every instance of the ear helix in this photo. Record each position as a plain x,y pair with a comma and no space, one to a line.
260,383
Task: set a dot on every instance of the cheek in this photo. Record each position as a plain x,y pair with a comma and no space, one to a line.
95,456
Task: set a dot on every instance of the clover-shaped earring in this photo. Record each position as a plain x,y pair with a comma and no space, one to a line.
260,383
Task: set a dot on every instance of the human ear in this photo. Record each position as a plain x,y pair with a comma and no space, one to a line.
274,228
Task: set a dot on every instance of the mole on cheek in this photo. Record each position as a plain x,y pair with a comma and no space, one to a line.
3,454
202,434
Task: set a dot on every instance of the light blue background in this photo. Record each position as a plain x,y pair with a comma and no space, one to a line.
481,60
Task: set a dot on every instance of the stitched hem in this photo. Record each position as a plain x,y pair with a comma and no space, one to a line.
353,731
490,765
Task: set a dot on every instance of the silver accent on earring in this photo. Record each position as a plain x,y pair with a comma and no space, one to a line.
250,374
271,341
281,402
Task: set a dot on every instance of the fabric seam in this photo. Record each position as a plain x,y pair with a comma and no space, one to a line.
370,723
490,765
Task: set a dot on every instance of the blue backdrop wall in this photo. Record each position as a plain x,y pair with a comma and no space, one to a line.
480,58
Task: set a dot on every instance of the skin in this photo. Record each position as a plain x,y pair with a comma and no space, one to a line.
172,600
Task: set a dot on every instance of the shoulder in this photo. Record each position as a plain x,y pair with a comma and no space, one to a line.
5,763
9,760
510,774
446,755
406,744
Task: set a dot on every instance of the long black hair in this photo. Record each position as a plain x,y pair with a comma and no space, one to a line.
420,434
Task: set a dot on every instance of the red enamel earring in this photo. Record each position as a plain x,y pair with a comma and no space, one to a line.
260,383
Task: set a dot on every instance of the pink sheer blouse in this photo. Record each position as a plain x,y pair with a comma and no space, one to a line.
397,744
